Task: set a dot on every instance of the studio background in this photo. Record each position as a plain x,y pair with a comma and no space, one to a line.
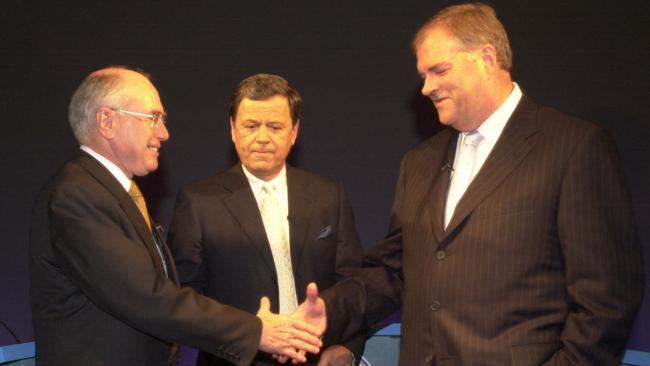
352,63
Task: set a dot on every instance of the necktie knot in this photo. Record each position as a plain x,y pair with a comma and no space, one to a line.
473,139
134,191
138,199
268,188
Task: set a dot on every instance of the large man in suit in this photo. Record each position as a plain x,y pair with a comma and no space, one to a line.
536,260
229,247
104,287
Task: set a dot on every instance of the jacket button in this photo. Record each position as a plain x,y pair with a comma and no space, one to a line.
440,255
435,305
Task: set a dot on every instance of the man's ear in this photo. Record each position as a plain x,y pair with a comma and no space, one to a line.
489,58
294,132
232,130
104,120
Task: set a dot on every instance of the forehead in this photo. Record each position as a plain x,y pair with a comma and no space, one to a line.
276,107
138,91
438,45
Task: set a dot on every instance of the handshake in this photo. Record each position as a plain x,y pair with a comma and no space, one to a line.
291,336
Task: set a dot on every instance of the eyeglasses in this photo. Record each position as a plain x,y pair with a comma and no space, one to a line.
155,119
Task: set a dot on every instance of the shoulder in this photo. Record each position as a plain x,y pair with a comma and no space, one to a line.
552,121
310,179
73,179
293,172
220,183
433,147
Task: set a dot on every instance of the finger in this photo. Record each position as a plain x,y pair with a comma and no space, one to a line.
307,333
302,352
306,342
290,352
303,327
281,359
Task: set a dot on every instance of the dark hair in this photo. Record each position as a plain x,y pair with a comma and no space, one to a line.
262,87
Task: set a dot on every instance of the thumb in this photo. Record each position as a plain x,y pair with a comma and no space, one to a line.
312,293
265,305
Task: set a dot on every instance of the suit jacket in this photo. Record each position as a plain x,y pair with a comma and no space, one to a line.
220,245
540,263
99,292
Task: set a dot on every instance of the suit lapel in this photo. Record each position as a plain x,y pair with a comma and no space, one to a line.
510,149
159,236
243,207
440,181
99,172
300,207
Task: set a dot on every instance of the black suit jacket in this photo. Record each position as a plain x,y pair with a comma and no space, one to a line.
540,263
220,245
99,292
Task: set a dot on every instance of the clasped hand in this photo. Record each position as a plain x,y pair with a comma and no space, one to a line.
291,336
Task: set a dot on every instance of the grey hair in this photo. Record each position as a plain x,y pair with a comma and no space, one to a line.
100,88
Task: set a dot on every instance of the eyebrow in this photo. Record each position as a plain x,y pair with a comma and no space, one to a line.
441,65
437,67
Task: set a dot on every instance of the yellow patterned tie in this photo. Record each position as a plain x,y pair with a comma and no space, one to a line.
138,198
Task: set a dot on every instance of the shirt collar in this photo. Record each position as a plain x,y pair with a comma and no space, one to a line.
256,183
493,125
117,172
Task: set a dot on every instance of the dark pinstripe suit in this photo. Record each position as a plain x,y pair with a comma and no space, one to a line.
540,264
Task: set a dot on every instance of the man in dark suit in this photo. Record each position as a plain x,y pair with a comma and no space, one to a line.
104,287
225,243
512,240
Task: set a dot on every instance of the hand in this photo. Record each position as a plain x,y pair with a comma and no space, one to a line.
313,312
284,335
336,355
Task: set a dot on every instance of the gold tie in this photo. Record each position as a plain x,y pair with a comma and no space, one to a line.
138,198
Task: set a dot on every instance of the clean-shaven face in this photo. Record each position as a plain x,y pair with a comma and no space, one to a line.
454,79
136,143
263,135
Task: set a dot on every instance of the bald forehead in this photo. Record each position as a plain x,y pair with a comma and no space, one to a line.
133,89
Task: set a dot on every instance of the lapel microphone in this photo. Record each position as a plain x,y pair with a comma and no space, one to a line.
447,167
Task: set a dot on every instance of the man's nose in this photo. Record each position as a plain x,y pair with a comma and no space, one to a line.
262,134
429,86
162,133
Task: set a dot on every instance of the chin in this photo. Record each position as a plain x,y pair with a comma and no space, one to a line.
151,168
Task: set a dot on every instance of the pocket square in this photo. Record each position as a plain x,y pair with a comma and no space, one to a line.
325,233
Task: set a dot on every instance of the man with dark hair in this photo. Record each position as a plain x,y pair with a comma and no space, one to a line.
104,288
264,228
512,239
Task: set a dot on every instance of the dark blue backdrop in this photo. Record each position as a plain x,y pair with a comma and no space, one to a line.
351,61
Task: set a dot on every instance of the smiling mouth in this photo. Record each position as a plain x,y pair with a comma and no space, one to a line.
153,148
439,100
